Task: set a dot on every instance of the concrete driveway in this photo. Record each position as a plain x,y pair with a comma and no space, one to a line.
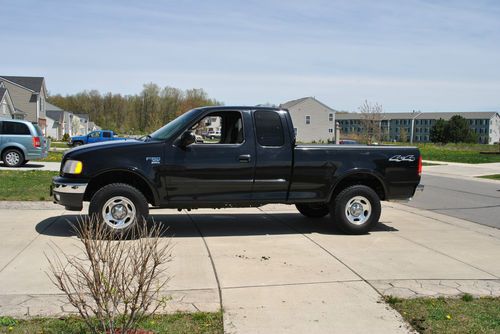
272,270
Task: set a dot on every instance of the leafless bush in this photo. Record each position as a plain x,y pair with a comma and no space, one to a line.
113,284
370,121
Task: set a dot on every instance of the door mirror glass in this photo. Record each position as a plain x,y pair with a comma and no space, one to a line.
187,139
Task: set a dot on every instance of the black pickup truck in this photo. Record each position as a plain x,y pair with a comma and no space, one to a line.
255,161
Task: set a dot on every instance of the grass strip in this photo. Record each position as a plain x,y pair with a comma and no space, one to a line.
25,185
491,177
450,315
197,323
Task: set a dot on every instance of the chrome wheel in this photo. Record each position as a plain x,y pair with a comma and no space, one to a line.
119,212
358,210
12,158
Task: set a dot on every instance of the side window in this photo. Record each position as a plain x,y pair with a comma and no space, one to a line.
106,134
94,135
14,128
223,127
308,119
269,129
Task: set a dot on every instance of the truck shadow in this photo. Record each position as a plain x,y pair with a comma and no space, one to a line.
221,224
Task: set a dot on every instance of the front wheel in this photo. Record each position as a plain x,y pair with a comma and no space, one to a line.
313,210
356,209
120,207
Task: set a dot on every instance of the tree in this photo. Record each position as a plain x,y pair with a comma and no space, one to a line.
371,116
457,130
403,135
438,132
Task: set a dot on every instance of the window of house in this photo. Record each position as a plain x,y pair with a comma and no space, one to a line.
330,130
308,119
15,128
268,128
330,117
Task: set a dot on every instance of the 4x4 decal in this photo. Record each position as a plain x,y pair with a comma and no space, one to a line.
399,158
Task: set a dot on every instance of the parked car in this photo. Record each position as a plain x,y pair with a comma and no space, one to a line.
94,137
348,142
20,142
256,162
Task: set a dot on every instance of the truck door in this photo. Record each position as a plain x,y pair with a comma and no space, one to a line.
274,156
214,169
93,137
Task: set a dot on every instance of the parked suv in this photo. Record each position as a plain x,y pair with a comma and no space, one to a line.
20,142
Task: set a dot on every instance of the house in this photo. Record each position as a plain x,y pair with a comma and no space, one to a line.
313,120
6,106
28,95
416,126
58,122
83,123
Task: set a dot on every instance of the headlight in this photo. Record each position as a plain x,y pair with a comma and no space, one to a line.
72,167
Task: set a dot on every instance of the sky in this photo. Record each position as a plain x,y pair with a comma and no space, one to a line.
405,55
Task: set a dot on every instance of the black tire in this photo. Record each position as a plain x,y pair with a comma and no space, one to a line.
13,157
77,143
313,210
355,200
127,200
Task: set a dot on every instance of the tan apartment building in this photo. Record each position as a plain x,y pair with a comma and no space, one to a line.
28,95
313,120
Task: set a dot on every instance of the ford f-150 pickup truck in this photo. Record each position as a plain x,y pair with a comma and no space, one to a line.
255,161
94,137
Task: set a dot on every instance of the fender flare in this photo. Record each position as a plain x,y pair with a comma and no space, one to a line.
358,172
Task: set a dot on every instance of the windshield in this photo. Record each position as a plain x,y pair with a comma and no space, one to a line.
171,128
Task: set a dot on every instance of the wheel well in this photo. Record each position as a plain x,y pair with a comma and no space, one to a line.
129,178
10,148
360,179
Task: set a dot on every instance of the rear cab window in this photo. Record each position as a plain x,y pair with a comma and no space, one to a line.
269,128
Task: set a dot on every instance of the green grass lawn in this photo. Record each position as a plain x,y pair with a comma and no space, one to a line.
450,315
466,153
25,185
53,157
209,323
59,144
492,177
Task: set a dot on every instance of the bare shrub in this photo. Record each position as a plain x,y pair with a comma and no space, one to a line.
114,284
371,117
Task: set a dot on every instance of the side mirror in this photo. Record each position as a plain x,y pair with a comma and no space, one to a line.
187,139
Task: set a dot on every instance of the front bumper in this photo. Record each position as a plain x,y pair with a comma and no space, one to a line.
68,192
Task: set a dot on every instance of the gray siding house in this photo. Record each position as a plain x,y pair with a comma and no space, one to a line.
313,120
28,95
416,126
6,106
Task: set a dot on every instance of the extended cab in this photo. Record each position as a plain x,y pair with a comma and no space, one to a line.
94,137
254,162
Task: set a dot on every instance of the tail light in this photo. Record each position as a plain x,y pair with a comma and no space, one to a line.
36,141
419,165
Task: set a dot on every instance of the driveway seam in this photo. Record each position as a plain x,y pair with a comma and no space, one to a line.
210,257
289,284
54,219
447,255
324,249
413,210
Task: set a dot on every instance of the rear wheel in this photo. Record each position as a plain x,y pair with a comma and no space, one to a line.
356,209
120,207
13,158
313,210
77,143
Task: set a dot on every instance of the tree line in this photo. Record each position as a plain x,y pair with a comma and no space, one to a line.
134,114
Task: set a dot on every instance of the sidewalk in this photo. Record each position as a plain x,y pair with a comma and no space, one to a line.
35,165
461,170
271,269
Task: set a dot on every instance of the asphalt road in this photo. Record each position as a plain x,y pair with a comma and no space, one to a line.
474,201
